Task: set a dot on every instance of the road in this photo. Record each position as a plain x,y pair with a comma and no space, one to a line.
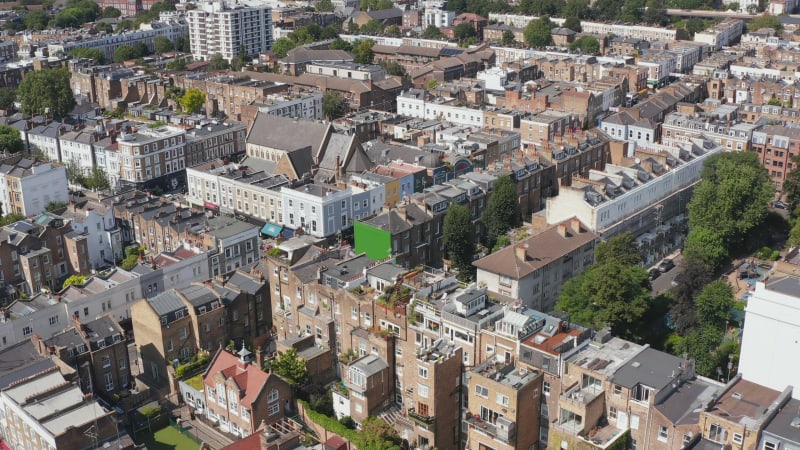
664,282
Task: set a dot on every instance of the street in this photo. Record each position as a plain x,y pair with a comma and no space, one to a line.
664,282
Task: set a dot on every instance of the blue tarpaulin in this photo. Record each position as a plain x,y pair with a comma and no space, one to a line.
271,229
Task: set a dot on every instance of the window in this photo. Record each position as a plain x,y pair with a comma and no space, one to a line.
27,331
612,413
481,391
546,387
634,422
502,400
422,390
717,434
687,439
641,393
738,438
423,372
53,320
662,433
123,363
109,381
273,396
273,409
769,445
617,389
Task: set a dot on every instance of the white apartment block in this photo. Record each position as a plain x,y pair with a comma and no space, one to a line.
217,27
45,138
604,213
618,29
307,106
413,104
26,188
439,18
772,318
722,34
739,70
320,210
150,153
109,43
103,237
77,147
225,188
348,71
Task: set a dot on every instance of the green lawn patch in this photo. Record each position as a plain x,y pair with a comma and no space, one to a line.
168,438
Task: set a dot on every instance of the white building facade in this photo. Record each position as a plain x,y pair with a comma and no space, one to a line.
216,27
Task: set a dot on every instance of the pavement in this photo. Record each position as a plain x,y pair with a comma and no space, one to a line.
203,432
664,282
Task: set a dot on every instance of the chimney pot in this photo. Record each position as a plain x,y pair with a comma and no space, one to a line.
521,252
562,229
575,224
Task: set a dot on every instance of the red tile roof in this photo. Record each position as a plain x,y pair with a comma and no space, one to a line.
250,379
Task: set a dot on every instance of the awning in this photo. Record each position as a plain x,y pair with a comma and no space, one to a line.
271,229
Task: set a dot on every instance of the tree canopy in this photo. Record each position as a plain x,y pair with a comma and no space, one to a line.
47,92
459,239
192,100
502,210
377,434
10,139
7,97
611,292
573,23
622,248
125,53
464,31
218,62
291,367
732,196
537,33
74,279
759,22
362,51
162,44
586,44
324,6
714,303
508,38
333,105
281,46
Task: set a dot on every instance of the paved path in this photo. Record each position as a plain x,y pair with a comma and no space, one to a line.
204,432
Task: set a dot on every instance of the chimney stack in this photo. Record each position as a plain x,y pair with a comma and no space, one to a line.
521,251
575,225
562,229
402,212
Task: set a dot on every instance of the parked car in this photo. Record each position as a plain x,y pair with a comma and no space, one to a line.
653,274
666,265
780,205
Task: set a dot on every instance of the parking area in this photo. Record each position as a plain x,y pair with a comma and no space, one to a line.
664,281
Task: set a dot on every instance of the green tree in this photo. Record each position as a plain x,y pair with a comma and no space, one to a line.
655,13
632,11
586,44
573,23
700,345
459,239
431,84
393,68
55,205
576,8
694,25
125,24
178,64
464,31
8,96
707,247
606,9
393,31
432,32
759,22
36,20
163,44
124,53
192,100
362,51
682,311
8,219
540,7
714,304
182,44
104,27
509,39
502,210
732,196
791,186
109,12
10,139
89,53
291,367
502,242
324,6
373,27
47,92
97,180
218,62
621,248
74,173
537,33
73,279
337,44
333,105
281,46
330,32
377,434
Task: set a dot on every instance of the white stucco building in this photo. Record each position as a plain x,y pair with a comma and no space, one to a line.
217,27
771,337
413,103
27,187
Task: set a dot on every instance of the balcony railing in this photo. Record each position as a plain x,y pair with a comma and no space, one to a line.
425,421
581,396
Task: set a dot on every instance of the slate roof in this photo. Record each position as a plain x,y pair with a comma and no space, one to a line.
650,367
166,302
286,134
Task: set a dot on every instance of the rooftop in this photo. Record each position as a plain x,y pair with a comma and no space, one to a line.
651,368
605,358
745,402
508,375
786,423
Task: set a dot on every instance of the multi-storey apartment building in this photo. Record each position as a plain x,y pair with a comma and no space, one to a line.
214,141
576,153
240,396
44,138
27,186
303,105
153,157
95,220
100,343
721,34
503,407
45,411
776,146
534,269
227,29
725,131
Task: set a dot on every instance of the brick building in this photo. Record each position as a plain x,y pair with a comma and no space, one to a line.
776,146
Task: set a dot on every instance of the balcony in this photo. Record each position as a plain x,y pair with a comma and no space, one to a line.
581,397
424,421
475,422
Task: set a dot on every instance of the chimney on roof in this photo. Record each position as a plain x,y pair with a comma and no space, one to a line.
562,229
402,212
521,251
78,325
575,225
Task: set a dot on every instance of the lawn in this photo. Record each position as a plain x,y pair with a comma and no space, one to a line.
168,438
